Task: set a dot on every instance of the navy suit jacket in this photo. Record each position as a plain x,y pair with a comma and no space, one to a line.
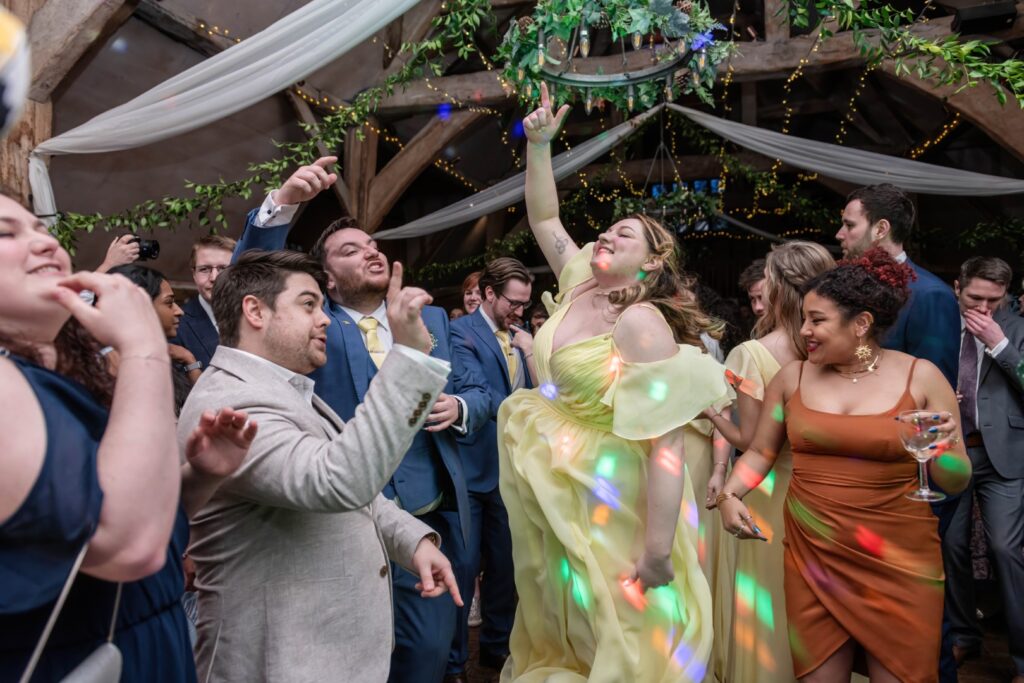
343,381
928,326
196,332
478,349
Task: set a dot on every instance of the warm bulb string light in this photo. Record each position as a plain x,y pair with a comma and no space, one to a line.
947,128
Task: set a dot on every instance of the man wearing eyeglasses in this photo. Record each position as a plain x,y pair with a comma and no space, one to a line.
483,341
197,330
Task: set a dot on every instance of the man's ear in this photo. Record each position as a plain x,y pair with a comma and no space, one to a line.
253,312
881,230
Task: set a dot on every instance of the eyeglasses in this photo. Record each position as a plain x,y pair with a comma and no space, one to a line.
517,304
206,271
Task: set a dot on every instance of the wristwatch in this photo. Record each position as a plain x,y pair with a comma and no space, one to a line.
198,365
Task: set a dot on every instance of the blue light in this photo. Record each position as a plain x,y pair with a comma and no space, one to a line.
549,391
444,110
517,130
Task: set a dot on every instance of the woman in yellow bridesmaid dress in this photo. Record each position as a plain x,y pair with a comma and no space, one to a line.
752,640
593,472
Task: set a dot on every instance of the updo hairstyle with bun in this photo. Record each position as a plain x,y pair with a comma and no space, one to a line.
874,283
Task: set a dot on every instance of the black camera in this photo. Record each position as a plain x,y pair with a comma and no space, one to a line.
148,249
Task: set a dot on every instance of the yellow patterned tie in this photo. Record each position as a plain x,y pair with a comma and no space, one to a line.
369,326
510,354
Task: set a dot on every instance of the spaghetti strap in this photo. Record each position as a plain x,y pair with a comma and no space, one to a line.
910,377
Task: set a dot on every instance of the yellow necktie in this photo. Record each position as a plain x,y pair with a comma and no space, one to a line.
510,354
369,326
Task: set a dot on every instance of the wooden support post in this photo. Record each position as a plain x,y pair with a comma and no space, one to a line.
776,20
361,167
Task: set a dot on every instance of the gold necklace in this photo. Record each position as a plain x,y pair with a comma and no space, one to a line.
867,370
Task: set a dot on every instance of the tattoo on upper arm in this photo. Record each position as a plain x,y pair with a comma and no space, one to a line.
561,242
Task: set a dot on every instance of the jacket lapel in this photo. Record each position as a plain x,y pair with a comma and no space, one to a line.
354,349
483,331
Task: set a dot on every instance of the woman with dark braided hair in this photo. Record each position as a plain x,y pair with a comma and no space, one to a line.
863,568
594,463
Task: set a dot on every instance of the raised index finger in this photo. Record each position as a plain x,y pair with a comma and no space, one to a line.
545,98
324,162
395,286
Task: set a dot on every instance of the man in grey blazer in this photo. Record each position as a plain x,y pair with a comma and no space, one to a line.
992,415
292,550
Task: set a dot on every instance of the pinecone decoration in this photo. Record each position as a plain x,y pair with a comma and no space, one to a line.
685,6
524,23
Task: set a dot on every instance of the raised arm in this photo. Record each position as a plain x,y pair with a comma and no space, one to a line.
137,458
540,128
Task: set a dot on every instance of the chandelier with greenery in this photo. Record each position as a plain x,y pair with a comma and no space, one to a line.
666,49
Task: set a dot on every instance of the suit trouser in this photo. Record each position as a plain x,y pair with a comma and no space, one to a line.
1002,511
424,627
490,547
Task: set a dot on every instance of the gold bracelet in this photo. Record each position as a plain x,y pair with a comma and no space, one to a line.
722,497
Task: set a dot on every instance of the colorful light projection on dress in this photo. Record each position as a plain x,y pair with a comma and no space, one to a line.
577,586
752,600
741,384
806,518
549,391
658,391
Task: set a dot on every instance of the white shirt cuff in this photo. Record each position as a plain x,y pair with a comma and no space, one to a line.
441,367
460,426
999,348
272,214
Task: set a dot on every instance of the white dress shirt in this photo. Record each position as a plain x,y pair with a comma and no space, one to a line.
205,305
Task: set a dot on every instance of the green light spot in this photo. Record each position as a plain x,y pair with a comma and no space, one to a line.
666,599
566,571
767,485
658,390
606,466
952,464
746,589
641,275
808,519
778,414
765,612
580,593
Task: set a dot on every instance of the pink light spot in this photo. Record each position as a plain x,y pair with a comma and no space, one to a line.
669,461
869,540
633,592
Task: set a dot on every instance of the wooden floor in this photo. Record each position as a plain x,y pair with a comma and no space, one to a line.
994,665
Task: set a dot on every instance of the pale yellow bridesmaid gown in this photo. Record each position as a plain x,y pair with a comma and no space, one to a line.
574,457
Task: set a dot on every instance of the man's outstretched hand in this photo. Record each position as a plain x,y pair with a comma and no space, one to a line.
306,183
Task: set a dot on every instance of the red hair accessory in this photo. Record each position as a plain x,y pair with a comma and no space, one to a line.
884,268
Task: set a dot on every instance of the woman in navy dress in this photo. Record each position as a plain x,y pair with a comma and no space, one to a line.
90,459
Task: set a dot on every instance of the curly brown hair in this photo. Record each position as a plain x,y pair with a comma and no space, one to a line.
668,288
874,283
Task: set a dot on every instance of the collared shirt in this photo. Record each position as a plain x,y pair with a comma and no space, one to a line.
519,380
901,257
991,353
205,305
272,214
380,314
302,384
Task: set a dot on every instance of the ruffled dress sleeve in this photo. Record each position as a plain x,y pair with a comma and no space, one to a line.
748,373
574,273
649,400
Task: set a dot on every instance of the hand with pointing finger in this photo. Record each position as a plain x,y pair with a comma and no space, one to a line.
306,183
543,125
405,308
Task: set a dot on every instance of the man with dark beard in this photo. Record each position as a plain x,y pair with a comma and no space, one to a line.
430,483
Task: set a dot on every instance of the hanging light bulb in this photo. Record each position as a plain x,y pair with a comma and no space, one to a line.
695,77
702,59
584,40
638,40
540,48
630,97
520,74
529,88
681,46
588,104
551,91
668,89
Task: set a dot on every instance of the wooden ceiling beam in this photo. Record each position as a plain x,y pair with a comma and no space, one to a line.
182,26
419,153
62,31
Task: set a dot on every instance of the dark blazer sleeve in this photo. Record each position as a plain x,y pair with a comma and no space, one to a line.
269,239
933,330
469,385
1011,359
465,353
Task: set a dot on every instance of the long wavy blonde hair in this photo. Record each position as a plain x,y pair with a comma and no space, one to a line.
668,288
788,268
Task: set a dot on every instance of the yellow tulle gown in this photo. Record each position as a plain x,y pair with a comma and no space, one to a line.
574,456
752,643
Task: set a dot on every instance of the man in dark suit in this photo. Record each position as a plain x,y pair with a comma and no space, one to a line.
483,342
992,415
929,323
197,330
429,483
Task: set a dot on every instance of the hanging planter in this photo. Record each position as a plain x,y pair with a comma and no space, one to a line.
657,43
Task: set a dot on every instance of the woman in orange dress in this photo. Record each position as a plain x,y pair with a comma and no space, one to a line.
863,568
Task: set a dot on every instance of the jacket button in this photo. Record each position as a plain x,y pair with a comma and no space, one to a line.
425,397
423,404
384,571
412,421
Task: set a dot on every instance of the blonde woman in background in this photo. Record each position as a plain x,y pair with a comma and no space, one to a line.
752,640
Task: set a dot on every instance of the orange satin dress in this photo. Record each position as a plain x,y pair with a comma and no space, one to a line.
862,561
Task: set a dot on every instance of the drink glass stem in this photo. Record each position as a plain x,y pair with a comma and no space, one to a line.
922,477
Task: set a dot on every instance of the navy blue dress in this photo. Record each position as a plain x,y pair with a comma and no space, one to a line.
40,542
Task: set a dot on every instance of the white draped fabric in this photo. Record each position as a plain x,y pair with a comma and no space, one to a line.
834,161
247,72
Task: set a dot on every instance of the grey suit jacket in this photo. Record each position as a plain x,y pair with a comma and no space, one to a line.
292,551
1001,400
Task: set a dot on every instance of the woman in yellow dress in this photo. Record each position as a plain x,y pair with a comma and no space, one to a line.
592,464
752,639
